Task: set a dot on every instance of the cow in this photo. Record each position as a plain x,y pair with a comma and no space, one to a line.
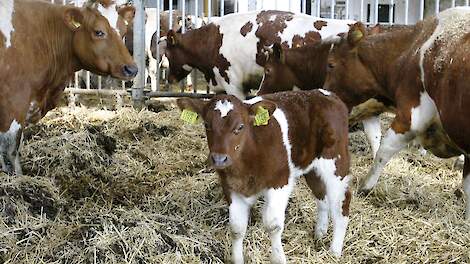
261,146
41,46
305,68
423,70
229,51
151,38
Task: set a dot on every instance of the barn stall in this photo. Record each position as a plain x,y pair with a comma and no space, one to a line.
106,183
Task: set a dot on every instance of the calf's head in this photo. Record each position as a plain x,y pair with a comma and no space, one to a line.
98,46
229,125
178,57
348,75
278,75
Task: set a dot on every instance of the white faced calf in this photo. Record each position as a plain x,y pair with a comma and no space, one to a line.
260,147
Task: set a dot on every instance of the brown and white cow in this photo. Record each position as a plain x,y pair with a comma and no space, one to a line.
41,46
424,71
230,50
306,135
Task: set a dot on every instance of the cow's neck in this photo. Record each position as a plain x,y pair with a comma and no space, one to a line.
59,45
312,74
203,45
381,54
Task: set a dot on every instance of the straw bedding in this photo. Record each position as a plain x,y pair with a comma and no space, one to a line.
131,187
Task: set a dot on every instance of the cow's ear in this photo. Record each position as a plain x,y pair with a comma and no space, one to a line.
356,33
193,105
375,30
172,38
127,13
73,18
262,112
278,53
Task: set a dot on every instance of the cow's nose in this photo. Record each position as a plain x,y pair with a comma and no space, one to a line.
220,161
130,70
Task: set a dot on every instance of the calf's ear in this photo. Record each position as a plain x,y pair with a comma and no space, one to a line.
194,105
263,109
356,33
172,38
73,18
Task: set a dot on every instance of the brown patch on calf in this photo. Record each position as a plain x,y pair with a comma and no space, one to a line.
246,28
310,38
319,24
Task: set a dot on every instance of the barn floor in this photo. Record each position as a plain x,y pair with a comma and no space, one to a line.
131,187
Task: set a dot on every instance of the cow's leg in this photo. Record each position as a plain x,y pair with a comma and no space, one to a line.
409,122
273,219
373,133
466,186
391,144
14,152
239,212
152,71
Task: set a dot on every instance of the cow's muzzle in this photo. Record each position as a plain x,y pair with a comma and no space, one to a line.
220,161
129,71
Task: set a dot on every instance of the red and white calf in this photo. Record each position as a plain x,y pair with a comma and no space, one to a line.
260,147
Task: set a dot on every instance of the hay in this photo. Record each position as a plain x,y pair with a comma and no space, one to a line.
131,187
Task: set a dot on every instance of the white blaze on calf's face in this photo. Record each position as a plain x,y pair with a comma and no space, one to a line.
224,107
111,15
6,20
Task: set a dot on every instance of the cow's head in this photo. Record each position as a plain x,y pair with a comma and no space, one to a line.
178,57
229,125
97,46
125,19
347,74
278,75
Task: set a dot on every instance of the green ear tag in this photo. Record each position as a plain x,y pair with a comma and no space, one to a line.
189,116
261,117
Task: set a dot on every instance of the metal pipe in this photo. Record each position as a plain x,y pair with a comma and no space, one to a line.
376,11
421,9
304,6
139,54
99,82
157,39
362,10
347,9
87,80
407,6
318,8
183,15
466,2
452,3
332,9
96,92
170,14
222,8
437,7
390,12
173,94
209,10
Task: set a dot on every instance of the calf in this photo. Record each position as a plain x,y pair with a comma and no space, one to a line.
305,133
229,51
41,46
426,76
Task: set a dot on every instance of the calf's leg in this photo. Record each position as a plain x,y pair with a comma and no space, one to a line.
239,212
10,142
273,219
318,189
338,198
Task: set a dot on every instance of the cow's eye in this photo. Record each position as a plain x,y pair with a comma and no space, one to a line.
207,126
267,71
238,129
99,33
331,65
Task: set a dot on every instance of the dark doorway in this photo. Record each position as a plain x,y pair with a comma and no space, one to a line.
384,13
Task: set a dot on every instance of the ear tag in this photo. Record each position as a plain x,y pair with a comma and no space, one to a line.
76,24
357,35
262,116
189,116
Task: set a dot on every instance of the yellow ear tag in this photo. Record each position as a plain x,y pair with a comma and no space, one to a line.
189,116
76,24
261,117
357,35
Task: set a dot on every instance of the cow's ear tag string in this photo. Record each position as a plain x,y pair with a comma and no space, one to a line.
189,116
262,116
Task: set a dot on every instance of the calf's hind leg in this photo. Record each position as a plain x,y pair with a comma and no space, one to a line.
318,190
10,142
